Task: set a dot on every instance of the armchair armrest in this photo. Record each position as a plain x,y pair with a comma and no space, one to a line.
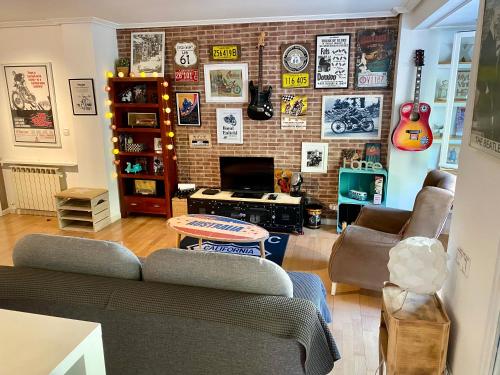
383,219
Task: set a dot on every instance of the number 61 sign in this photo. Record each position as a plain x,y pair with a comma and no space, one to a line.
186,61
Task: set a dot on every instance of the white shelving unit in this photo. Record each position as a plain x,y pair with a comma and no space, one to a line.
449,104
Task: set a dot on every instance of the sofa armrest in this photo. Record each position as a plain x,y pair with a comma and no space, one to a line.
383,219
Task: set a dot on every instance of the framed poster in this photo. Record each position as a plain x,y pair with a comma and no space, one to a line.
293,112
332,61
375,53
200,140
314,157
188,108
229,125
351,117
186,61
295,65
82,96
147,53
485,130
30,91
462,85
226,83
223,52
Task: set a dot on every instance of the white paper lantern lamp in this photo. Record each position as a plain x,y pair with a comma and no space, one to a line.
418,265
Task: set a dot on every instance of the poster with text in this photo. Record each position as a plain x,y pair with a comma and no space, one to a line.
332,61
293,112
229,125
375,52
186,62
30,90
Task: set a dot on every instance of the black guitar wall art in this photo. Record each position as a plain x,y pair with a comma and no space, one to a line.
260,107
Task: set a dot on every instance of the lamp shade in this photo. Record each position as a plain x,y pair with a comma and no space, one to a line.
418,264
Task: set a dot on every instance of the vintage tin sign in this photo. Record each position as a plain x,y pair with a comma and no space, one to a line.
295,65
186,62
231,52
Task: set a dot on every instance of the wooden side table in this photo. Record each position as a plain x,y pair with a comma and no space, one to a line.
413,335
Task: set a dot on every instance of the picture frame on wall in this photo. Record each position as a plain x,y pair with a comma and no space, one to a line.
147,53
314,157
188,108
226,83
351,116
82,94
32,103
229,125
332,61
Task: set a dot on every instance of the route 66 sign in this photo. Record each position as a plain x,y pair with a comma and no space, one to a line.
295,65
186,61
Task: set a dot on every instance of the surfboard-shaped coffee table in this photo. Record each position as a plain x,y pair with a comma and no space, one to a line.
218,228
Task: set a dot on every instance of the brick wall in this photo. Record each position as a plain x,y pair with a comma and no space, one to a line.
201,166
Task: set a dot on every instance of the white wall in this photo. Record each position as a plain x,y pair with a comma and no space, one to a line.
475,228
76,50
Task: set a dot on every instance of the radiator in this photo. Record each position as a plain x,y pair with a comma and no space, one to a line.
35,187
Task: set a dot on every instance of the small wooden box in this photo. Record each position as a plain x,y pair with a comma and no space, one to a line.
82,209
179,207
414,334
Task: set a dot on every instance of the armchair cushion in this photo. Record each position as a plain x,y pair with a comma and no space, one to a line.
360,256
383,219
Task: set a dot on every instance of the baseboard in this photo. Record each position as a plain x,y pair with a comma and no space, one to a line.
6,211
114,218
328,221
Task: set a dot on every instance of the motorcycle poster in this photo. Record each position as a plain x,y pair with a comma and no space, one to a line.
351,117
375,51
332,61
186,62
226,83
230,125
293,112
30,91
188,108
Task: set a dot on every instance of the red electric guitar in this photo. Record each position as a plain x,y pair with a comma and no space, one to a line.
413,132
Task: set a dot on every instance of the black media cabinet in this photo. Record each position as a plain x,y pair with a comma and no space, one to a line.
285,214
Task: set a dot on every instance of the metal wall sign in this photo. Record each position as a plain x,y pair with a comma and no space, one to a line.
295,58
332,61
224,52
186,61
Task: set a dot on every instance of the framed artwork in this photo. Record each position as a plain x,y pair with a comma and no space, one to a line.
147,53
229,125
372,152
145,187
186,61
282,180
82,96
157,144
351,117
462,88
226,83
314,157
224,52
188,108
293,112
485,130
332,61
142,119
295,65
30,91
200,140
375,54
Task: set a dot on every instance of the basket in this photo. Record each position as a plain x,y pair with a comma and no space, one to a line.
135,147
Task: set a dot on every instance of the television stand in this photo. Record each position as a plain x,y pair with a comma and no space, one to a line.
247,195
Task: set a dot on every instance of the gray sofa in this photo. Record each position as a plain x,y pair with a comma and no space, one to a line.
176,312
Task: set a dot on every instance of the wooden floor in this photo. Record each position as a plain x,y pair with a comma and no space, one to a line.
356,315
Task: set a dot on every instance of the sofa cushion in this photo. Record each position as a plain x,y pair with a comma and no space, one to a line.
78,255
217,271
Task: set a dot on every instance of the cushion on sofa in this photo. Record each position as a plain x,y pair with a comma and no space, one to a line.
78,255
217,271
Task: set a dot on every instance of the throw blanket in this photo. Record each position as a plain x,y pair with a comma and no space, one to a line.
310,287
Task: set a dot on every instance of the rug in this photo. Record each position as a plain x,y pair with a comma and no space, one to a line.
275,247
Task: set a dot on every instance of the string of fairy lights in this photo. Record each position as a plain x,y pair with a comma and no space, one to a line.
167,122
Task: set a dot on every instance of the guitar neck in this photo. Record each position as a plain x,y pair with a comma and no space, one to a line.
416,95
261,53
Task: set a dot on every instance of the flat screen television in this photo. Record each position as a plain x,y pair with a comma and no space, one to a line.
247,174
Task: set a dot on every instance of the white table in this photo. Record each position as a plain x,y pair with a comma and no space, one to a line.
33,344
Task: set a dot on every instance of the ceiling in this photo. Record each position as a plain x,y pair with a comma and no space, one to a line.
464,14
136,12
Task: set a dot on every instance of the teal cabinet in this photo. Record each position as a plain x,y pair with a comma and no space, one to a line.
360,180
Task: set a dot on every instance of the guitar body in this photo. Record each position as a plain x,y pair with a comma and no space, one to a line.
260,107
413,134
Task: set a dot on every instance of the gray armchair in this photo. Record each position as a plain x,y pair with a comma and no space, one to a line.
360,255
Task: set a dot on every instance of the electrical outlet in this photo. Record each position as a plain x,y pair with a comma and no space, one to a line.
332,207
463,262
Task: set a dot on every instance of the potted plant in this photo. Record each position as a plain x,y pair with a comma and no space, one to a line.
123,65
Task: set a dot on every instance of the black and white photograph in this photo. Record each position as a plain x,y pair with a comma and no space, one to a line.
230,125
147,53
30,91
82,96
332,61
485,132
351,117
314,157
